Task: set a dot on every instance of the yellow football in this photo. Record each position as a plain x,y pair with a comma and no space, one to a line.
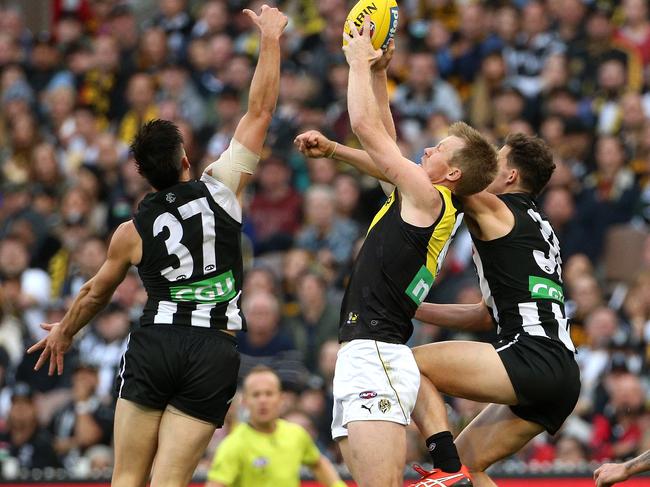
383,20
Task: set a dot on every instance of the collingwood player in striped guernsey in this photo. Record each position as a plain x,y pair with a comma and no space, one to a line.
529,375
376,379
179,372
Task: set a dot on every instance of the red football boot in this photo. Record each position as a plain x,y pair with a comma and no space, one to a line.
438,478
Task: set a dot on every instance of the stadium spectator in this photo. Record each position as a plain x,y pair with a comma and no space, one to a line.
610,195
275,209
83,422
425,92
318,318
325,230
23,438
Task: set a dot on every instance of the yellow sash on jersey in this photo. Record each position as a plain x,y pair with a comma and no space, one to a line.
441,237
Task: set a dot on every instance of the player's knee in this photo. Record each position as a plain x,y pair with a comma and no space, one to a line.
470,457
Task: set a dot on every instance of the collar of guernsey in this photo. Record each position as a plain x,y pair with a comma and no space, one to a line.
443,232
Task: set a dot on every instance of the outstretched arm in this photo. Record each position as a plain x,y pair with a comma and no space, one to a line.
470,317
125,249
610,473
315,145
380,89
365,119
235,166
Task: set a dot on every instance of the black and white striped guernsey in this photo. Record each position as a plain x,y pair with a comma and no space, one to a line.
191,263
520,275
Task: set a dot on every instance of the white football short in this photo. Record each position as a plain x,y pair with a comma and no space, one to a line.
373,381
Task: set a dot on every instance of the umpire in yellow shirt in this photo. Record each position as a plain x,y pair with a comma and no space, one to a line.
267,451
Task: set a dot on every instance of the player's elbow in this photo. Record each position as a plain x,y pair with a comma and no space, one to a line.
363,129
260,112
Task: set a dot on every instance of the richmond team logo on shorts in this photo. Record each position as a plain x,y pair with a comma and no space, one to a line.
384,405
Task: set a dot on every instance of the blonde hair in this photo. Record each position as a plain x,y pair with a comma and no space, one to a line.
477,160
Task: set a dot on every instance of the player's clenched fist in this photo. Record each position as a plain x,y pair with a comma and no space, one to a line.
314,144
270,21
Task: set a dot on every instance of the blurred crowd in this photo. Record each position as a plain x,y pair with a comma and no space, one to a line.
72,97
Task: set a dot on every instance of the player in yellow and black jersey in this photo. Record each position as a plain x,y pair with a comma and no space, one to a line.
394,271
376,380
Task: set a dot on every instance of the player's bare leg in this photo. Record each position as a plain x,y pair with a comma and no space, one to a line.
470,370
445,368
136,440
375,453
494,434
182,440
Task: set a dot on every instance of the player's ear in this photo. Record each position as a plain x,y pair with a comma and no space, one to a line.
513,175
454,174
185,162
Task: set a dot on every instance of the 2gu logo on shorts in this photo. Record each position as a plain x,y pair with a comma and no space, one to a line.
213,290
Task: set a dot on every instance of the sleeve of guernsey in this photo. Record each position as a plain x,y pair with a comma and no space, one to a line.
226,466
310,452
234,161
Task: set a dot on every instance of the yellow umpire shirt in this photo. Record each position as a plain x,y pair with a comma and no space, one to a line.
249,458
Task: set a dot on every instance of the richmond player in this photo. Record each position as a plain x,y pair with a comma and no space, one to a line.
180,369
376,379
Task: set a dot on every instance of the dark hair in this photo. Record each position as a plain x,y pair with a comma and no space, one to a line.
477,160
158,151
532,157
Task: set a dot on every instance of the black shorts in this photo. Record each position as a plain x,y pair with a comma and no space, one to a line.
193,369
545,377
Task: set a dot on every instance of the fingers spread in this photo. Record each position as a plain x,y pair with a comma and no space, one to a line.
59,363
366,26
53,360
36,346
42,359
353,29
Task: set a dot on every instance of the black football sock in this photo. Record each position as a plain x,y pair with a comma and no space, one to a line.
443,452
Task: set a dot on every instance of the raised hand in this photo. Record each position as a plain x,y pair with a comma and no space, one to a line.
359,47
314,144
383,62
271,21
54,346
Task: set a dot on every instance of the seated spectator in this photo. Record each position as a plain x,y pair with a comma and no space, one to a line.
324,230
85,421
569,451
266,341
617,431
317,320
425,93
140,94
104,345
23,438
610,196
25,290
275,208
593,357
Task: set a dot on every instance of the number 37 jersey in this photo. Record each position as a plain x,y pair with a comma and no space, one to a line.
520,275
191,263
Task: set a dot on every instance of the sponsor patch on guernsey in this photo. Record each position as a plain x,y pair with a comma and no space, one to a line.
541,288
213,290
367,394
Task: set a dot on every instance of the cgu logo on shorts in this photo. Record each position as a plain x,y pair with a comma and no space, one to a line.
213,290
541,288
